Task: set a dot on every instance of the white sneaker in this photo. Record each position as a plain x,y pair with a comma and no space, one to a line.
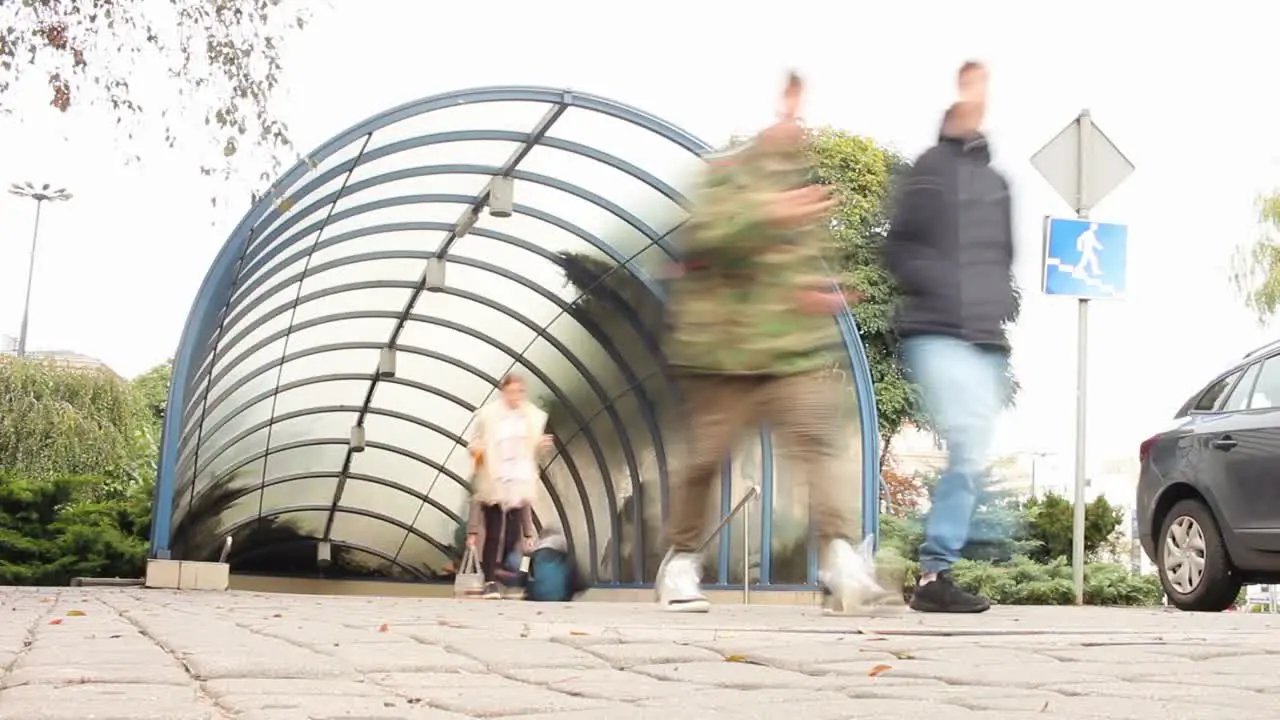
849,576
678,580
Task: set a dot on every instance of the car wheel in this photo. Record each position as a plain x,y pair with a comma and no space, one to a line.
1194,568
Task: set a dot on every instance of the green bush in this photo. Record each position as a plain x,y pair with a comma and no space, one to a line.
1025,567
53,530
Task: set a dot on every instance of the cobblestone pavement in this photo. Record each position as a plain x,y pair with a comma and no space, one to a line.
139,654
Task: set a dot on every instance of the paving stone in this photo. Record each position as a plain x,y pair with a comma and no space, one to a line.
362,706
1024,676
1165,692
141,674
102,702
501,654
483,695
615,685
228,664
740,675
402,657
264,686
1124,708
624,655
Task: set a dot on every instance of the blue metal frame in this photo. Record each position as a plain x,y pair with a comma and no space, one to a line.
235,277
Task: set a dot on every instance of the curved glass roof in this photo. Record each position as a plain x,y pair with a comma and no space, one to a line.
376,287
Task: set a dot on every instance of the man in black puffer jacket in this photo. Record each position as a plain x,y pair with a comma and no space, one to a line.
950,248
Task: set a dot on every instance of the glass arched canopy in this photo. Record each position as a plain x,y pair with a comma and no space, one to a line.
374,287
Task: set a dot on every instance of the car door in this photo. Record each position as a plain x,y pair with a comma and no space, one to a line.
1244,442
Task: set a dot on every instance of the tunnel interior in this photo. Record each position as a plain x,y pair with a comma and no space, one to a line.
370,301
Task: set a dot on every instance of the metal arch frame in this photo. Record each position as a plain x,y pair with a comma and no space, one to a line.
215,291
217,287
267,547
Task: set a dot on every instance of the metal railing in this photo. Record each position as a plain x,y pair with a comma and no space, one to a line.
752,493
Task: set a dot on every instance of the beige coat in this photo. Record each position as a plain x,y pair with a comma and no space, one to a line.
486,489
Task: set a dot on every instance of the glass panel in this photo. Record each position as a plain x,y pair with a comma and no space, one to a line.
333,392
566,378
512,115
538,270
256,279
239,511
351,562
228,424
362,360
380,499
1211,397
223,460
1266,392
513,298
476,352
627,192
657,155
325,458
436,373
388,465
341,331
309,427
391,395
423,555
417,439
381,241
487,153
499,324
451,495
303,491
289,526
370,532
1240,395
293,205
242,377
390,300
272,310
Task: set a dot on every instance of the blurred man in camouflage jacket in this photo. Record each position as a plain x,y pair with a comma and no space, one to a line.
752,337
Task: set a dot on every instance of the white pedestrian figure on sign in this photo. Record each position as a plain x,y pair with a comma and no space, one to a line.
1088,246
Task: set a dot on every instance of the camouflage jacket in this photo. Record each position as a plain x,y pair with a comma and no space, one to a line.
733,303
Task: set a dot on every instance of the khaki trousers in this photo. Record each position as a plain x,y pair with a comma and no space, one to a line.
804,413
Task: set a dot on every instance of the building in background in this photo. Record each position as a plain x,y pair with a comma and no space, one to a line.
63,358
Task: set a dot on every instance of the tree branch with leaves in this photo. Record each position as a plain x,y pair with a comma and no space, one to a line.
158,60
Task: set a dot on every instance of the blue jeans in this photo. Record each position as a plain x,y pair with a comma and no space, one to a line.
963,388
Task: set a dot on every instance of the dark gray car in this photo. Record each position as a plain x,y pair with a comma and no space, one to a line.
1209,493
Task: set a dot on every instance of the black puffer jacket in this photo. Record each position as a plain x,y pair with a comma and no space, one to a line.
950,247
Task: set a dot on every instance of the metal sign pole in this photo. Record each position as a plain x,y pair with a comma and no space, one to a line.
1082,379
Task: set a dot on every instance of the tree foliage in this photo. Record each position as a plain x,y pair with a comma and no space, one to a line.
1257,267
220,58
77,468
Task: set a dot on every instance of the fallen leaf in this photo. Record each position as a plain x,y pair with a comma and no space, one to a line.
56,621
736,658
576,632
383,628
75,613
46,599
904,656
879,670
277,615
1045,708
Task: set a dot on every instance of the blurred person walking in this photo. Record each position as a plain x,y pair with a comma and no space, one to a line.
506,438
950,248
751,336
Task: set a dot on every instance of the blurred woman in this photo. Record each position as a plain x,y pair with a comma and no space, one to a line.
506,438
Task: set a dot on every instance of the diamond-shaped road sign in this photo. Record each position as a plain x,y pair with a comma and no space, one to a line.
1103,166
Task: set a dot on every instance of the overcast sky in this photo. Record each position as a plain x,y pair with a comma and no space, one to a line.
1183,95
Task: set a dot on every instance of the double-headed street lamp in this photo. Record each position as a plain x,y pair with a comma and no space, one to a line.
40,195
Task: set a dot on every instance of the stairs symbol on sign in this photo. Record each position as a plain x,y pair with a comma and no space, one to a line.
1079,274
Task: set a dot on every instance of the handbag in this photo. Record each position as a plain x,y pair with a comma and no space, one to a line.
469,582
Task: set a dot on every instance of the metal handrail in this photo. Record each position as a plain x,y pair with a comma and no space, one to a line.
752,493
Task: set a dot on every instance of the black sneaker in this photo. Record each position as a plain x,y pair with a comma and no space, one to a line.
943,596
492,591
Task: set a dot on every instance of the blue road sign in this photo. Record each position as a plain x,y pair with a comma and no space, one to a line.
1084,259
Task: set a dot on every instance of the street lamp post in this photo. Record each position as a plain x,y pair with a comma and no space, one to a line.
40,195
